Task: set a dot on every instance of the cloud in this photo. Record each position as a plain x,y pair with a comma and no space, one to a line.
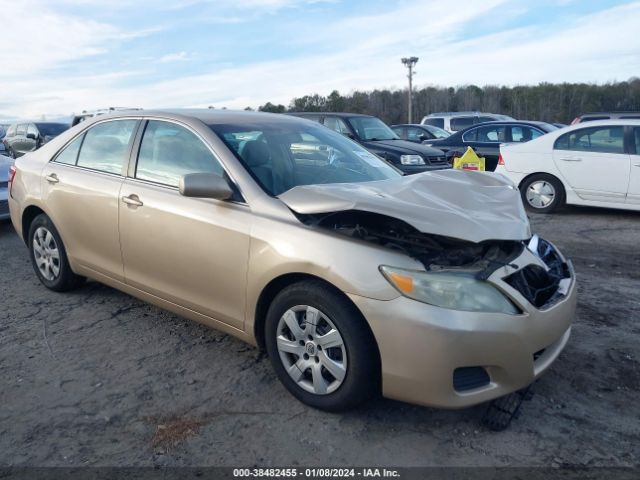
360,51
175,57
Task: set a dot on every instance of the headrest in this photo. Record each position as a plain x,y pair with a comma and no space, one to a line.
255,153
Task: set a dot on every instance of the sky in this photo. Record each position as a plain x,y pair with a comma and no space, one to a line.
64,56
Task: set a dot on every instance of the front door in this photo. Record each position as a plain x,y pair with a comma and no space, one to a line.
594,163
190,251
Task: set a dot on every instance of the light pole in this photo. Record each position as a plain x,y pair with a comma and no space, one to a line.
409,63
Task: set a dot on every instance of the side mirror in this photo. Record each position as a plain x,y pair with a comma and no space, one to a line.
423,137
205,185
349,135
32,136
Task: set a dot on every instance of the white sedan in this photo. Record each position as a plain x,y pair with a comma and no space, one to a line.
595,163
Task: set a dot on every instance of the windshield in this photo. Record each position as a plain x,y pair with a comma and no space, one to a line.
281,156
51,129
371,129
437,132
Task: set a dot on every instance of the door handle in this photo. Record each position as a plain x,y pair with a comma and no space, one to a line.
132,200
53,178
571,159
636,164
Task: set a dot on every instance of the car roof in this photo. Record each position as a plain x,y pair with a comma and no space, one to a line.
452,114
330,114
208,116
628,112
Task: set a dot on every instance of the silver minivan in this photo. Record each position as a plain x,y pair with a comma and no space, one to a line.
455,121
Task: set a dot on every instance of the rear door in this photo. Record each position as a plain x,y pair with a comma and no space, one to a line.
594,162
633,195
81,187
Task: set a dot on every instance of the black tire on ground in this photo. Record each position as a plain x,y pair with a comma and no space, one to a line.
65,279
362,379
544,180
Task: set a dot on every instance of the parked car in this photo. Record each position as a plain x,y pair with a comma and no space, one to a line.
590,117
559,125
597,163
456,121
27,137
281,232
374,135
418,133
5,165
485,139
3,132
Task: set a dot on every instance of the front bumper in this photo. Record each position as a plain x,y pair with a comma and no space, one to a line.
421,345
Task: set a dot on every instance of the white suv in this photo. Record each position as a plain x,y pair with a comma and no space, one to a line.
454,121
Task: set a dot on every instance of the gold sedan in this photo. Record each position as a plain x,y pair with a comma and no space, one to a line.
355,279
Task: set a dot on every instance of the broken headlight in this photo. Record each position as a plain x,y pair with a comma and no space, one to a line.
458,291
411,160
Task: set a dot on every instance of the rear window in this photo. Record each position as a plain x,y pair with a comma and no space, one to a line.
436,122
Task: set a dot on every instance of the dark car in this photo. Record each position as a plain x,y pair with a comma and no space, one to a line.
376,136
418,133
26,137
486,138
588,117
3,132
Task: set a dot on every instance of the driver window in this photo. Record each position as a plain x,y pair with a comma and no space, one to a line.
169,151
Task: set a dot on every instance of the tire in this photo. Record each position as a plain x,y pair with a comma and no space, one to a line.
353,354
542,193
49,257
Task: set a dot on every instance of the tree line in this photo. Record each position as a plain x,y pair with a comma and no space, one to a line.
549,102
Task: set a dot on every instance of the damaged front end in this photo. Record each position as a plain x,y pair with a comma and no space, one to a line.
540,284
435,252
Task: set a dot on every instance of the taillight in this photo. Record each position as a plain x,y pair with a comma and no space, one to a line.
12,175
575,120
500,160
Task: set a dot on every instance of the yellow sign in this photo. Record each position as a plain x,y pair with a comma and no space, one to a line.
469,161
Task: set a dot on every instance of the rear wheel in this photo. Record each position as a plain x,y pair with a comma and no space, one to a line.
321,348
49,257
542,193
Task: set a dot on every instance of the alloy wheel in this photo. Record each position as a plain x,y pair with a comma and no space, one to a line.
311,349
46,253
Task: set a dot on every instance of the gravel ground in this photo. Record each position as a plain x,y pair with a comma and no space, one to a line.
95,377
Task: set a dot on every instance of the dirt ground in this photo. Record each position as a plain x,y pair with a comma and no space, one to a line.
95,377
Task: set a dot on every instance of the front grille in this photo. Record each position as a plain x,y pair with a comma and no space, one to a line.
438,160
535,283
4,207
469,378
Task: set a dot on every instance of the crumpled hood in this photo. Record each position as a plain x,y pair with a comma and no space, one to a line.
467,205
403,147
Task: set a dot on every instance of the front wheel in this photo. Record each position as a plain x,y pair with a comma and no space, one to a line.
542,193
321,348
49,257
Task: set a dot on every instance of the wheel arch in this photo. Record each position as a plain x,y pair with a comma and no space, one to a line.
28,215
529,175
281,282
